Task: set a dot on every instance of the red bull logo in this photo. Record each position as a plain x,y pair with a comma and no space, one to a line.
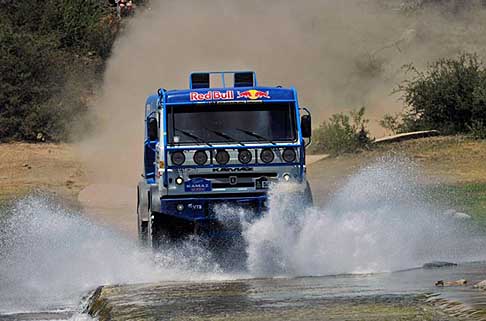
212,95
253,94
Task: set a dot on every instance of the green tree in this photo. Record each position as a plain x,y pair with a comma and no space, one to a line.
47,48
449,96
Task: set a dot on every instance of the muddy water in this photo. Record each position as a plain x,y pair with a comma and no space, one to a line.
380,221
409,295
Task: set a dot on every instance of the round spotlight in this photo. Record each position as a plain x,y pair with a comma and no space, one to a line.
222,157
179,180
180,207
178,158
200,157
244,156
286,177
289,155
267,156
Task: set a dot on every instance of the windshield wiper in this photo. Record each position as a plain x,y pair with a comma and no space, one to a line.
260,137
225,136
196,138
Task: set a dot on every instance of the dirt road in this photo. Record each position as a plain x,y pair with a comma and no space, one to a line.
52,168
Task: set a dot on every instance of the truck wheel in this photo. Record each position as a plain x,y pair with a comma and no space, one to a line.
141,225
160,231
308,199
142,232
154,234
164,229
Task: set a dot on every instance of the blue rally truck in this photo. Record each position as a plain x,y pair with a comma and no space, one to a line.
207,146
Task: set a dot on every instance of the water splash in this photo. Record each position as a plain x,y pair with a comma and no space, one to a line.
381,220
51,256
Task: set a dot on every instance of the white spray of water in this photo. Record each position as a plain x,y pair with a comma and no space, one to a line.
379,221
50,256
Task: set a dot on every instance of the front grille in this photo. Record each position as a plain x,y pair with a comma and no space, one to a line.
228,185
228,175
226,196
250,207
234,180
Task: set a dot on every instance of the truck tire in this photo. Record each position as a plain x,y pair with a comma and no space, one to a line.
168,230
141,225
155,233
308,199
142,231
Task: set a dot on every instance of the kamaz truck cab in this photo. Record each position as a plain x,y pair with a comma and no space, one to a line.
205,147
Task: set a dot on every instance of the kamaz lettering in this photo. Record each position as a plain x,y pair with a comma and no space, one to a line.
230,170
205,147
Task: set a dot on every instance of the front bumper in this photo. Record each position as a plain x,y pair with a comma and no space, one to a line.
200,209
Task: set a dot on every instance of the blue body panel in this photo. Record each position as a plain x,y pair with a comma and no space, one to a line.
274,94
199,208
150,146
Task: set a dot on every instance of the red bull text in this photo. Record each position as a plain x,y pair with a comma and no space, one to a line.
212,95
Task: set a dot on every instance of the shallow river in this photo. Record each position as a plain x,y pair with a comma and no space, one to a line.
381,220
371,297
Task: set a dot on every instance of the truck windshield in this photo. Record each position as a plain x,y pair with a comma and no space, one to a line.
232,123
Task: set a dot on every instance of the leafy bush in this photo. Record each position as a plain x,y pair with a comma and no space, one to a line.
342,133
478,129
449,96
391,123
51,53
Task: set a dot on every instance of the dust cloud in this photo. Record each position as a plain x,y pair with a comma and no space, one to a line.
340,55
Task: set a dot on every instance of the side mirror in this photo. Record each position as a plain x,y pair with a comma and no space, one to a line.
306,125
153,129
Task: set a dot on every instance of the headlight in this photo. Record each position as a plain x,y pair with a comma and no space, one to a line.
286,177
178,158
179,180
289,155
267,156
244,156
200,157
222,157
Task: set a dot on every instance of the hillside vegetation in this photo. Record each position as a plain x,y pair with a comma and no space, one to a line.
52,55
449,96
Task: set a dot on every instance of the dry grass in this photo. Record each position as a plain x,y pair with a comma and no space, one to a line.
451,159
49,167
458,163
456,159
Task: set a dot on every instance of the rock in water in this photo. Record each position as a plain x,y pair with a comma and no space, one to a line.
442,283
438,264
462,216
481,285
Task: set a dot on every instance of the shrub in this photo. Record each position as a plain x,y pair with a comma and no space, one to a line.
391,123
342,133
478,129
449,96
51,53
